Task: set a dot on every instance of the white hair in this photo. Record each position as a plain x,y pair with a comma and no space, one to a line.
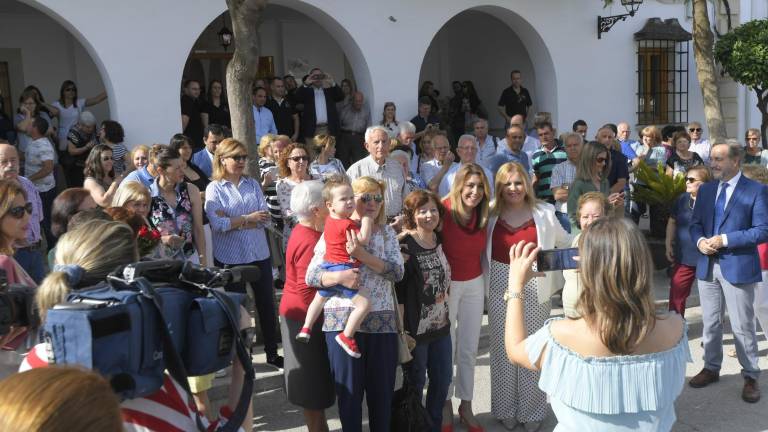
372,129
407,126
87,118
305,197
467,137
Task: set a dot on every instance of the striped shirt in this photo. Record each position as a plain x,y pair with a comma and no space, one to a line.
543,162
118,157
224,200
563,174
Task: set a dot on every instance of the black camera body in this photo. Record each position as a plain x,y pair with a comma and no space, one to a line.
17,305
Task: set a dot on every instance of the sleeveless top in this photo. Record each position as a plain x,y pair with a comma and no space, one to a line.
616,393
173,218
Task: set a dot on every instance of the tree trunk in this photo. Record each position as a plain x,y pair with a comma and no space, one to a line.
241,72
703,43
762,105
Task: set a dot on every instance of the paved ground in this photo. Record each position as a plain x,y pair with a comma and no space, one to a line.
716,408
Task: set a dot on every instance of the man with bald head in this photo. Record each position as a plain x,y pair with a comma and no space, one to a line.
355,117
29,254
530,144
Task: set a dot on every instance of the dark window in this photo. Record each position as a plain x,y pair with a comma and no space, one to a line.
662,82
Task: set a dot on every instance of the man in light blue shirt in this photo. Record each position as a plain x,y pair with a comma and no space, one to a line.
203,158
262,116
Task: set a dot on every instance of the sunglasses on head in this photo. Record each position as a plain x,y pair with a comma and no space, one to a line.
694,129
366,198
691,179
239,158
18,212
299,158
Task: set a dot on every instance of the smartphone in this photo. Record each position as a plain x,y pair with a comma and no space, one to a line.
557,259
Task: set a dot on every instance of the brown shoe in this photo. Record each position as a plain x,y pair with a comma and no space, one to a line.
704,378
751,391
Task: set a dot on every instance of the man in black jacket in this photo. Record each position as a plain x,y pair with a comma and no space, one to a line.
319,95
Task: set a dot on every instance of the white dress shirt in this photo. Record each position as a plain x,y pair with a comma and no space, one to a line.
728,194
321,110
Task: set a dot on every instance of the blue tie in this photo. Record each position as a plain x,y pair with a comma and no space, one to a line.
720,208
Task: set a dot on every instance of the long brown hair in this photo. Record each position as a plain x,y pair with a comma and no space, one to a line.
616,274
9,190
459,211
59,399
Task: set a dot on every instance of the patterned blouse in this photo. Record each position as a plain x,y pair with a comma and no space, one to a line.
284,188
377,287
173,219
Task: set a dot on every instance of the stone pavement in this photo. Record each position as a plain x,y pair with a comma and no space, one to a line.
717,408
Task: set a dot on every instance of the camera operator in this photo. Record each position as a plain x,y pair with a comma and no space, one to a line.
15,212
84,257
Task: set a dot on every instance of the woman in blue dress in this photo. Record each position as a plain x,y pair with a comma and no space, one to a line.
621,365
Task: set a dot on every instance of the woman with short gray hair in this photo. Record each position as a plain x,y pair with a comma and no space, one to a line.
307,372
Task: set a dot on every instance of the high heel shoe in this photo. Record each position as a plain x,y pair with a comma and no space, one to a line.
466,424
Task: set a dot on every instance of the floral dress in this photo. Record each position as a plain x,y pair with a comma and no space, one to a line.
173,219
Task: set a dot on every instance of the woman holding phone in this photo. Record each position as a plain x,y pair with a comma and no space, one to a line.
516,215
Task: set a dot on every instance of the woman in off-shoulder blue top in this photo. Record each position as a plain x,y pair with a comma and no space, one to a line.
618,390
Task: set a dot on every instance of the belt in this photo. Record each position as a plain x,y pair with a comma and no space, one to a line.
351,132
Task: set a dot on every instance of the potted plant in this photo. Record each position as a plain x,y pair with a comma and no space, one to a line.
658,190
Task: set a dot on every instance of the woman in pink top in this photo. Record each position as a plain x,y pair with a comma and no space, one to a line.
14,220
464,239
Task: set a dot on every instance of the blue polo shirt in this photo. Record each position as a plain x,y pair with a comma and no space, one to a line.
140,176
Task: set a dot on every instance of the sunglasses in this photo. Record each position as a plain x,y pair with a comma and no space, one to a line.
366,198
298,159
239,158
601,160
18,212
694,130
691,179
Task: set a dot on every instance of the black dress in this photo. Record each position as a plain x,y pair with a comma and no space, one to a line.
201,183
219,114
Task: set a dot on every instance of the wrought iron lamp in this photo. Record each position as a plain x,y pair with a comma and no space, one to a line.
225,35
605,23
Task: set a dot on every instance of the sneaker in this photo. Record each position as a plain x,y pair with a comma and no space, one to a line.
304,335
348,345
276,361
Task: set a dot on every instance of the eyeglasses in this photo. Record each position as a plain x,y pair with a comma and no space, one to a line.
18,212
601,160
691,179
694,129
298,159
239,158
366,198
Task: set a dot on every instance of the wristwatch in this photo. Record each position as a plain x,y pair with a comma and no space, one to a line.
513,295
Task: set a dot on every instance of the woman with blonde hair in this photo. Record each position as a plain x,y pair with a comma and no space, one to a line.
238,213
591,207
133,196
382,266
620,349
139,157
464,239
592,176
325,164
516,215
84,258
61,399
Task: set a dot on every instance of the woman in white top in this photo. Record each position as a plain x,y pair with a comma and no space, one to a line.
389,121
69,107
325,164
100,179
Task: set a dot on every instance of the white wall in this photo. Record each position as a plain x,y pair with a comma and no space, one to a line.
49,55
477,47
141,55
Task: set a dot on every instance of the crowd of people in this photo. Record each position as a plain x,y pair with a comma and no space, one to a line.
397,236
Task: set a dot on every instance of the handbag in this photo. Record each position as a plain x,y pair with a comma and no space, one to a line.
405,343
408,414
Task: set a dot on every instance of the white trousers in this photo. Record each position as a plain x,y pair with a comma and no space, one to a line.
465,310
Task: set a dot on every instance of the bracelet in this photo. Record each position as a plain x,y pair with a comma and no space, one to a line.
508,295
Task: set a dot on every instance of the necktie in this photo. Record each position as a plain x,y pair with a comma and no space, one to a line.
720,208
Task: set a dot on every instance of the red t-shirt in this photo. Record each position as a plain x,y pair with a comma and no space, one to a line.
504,237
463,246
335,235
762,251
296,294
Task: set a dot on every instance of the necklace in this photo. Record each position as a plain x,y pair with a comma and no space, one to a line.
424,242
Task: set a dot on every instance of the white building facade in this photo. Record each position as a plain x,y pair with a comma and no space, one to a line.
137,51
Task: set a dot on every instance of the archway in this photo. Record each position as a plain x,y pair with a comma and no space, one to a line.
296,36
42,49
467,48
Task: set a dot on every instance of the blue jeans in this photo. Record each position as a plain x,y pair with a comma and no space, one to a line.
372,375
565,221
433,359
